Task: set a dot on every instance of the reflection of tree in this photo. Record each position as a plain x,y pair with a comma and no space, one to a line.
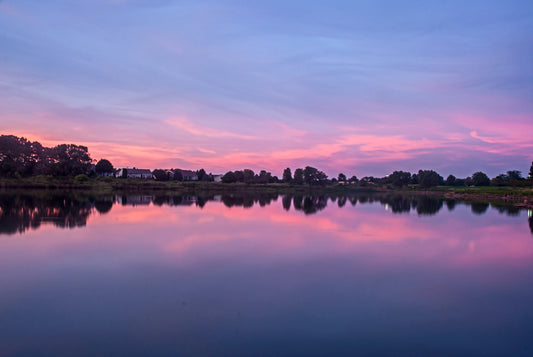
249,199
450,204
313,204
397,203
508,209
22,212
531,224
298,202
103,206
427,205
479,207
286,202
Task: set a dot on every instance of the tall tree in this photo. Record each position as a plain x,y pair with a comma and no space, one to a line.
287,175
298,176
342,177
178,176
201,174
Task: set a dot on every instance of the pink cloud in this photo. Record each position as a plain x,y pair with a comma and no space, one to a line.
207,131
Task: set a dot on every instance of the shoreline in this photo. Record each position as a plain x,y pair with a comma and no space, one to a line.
521,197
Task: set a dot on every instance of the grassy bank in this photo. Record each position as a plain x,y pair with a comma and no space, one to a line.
110,185
519,195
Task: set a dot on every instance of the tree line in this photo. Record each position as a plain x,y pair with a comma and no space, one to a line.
20,157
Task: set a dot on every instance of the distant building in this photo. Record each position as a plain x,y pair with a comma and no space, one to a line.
189,175
217,178
135,173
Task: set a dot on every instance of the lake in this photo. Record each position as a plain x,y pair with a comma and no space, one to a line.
263,275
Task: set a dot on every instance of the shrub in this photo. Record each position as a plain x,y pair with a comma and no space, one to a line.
81,178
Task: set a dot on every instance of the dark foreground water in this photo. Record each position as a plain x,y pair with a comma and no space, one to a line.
263,276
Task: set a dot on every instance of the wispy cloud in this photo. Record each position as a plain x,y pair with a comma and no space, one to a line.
201,130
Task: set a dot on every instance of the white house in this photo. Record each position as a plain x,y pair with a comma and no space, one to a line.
135,173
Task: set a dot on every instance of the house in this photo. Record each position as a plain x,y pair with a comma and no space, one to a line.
189,175
135,173
217,178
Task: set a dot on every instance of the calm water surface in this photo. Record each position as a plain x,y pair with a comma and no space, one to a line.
267,275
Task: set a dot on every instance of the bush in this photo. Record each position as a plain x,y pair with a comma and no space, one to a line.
81,178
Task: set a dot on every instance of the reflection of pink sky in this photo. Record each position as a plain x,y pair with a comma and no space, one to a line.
190,235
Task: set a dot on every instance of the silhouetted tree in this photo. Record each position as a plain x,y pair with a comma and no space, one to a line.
353,179
342,177
160,175
248,176
18,155
287,175
69,160
450,180
104,167
229,177
298,176
514,175
201,174
178,176
263,177
429,178
239,176
500,180
480,179
531,172
400,178
313,176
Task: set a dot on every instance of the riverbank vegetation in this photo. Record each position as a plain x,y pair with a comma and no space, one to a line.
29,165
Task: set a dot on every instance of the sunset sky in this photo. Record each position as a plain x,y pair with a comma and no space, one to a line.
359,87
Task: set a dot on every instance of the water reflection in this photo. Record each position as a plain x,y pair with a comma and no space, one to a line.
22,211
230,275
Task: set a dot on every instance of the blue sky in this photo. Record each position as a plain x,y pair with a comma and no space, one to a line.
360,87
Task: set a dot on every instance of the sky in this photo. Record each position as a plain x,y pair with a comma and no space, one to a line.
359,87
